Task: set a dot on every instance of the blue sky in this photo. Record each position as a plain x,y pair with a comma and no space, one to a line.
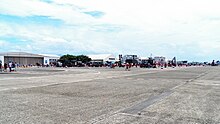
186,29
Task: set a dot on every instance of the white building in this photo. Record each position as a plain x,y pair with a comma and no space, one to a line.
49,58
103,58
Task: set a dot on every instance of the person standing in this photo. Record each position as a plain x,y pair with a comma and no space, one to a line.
16,66
13,66
126,67
5,67
129,66
10,66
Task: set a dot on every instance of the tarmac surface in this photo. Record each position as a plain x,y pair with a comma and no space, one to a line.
188,95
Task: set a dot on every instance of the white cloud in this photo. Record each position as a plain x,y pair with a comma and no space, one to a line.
68,14
5,29
3,43
160,27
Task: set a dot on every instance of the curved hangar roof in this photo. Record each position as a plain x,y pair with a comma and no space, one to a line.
19,54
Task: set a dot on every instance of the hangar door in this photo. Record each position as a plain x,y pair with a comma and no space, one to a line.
24,60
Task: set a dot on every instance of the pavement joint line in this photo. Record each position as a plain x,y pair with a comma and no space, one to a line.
205,84
135,109
190,80
103,117
100,118
127,114
155,99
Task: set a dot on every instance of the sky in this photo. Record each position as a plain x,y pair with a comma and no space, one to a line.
186,29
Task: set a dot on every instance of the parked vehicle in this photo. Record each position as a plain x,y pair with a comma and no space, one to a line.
149,63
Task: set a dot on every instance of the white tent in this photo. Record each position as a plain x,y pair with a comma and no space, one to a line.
103,57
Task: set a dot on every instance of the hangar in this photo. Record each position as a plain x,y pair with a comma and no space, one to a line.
23,58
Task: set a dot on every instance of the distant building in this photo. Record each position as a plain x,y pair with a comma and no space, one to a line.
23,58
103,58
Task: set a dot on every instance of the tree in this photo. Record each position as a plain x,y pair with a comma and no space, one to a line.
83,58
67,60
68,57
71,60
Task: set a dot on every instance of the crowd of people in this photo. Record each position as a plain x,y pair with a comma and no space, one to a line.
11,66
